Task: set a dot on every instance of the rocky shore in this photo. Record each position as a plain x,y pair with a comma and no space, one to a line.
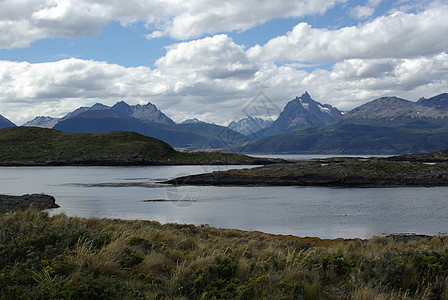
41,201
333,172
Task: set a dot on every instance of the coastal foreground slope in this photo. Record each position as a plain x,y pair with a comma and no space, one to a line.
60,257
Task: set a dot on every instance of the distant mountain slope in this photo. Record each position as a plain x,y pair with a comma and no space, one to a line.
5,123
43,122
250,126
437,103
301,112
185,136
393,107
349,138
385,107
147,112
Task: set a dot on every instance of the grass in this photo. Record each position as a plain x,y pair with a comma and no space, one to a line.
40,146
74,258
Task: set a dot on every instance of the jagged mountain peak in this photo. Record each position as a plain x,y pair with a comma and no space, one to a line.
306,97
123,107
303,111
146,112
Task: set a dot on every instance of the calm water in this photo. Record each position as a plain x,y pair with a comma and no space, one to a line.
120,192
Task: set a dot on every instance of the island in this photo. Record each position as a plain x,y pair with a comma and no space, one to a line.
430,169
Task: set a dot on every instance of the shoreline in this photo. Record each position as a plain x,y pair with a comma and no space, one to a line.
44,202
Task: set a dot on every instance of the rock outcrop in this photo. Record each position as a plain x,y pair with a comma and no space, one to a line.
41,201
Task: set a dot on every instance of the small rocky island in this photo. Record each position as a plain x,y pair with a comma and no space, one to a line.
40,201
334,172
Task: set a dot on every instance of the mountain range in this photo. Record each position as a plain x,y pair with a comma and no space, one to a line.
387,125
147,112
149,121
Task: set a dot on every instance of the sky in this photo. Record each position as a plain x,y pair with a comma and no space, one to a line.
211,60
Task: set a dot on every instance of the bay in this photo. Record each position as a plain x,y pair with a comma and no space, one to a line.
133,193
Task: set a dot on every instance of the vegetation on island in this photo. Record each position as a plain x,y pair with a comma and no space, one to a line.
60,257
338,171
41,146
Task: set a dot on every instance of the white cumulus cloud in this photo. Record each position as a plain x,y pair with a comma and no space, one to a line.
25,21
400,35
56,88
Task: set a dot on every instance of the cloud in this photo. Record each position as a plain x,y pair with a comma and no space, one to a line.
400,35
211,58
361,12
56,88
25,21
213,78
206,16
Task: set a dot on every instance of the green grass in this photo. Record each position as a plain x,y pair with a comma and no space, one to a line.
32,145
73,258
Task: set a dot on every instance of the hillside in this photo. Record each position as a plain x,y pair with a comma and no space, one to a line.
40,146
350,138
62,257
